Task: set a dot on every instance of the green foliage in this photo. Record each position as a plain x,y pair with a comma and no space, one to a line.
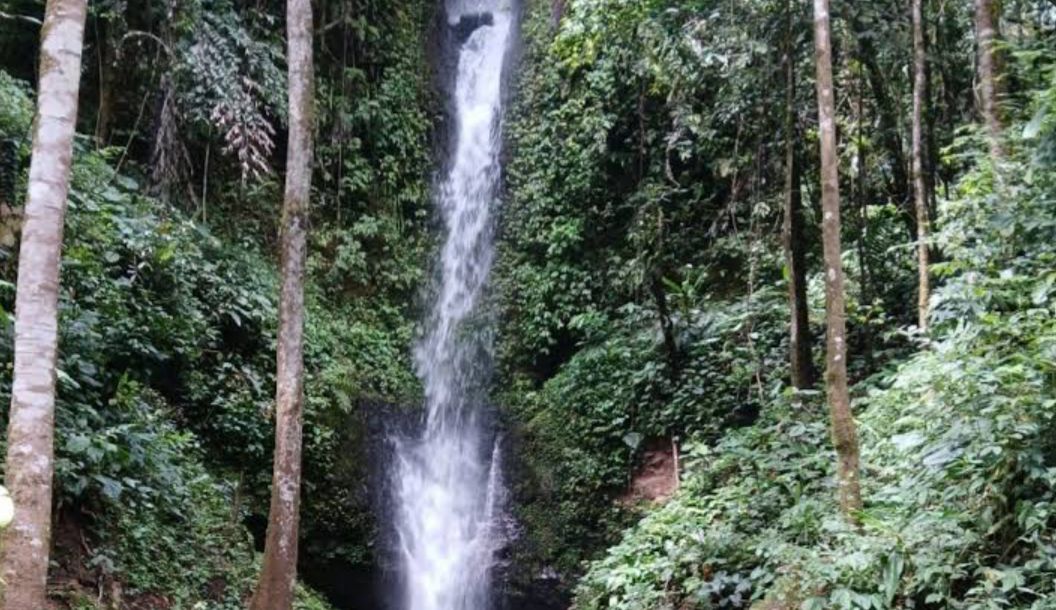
165,390
712,538
375,156
597,209
643,185
585,427
574,445
168,320
306,599
639,286
16,116
229,78
176,536
16,107
147,301
958,458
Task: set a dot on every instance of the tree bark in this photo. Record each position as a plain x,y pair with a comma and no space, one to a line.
105,116
987,34
279,573
667,326
30,434
898,187
920,183
844,434
947,97
794,240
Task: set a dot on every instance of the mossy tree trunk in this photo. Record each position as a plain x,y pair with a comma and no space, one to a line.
844,434
279,573
104,120
794,240
898,187
920,182
987,35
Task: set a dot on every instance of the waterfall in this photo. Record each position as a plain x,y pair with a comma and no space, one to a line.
448,479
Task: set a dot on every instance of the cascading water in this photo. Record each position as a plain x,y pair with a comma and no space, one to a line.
448,481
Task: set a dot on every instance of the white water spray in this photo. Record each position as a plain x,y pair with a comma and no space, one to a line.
448,483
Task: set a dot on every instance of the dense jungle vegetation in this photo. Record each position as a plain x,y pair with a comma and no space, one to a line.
660,232
170,288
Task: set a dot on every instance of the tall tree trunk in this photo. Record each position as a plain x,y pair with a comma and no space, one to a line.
898,188
920,183
105,115
844,434
947,96
986,34
794,240
31,430
862,211
279,573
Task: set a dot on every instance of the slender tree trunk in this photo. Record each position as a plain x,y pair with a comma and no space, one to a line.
279,573
987,34
794,240
862,210
105,115
844,434
898,188
31,430
948,103
667,325
920,190
929,116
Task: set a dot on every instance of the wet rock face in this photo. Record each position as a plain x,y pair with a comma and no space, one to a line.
544,592
469,23
346,586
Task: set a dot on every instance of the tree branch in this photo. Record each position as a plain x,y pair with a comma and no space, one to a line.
26,18
148,35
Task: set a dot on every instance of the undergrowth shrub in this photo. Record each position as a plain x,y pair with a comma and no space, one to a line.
165,390
585,428
959,462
